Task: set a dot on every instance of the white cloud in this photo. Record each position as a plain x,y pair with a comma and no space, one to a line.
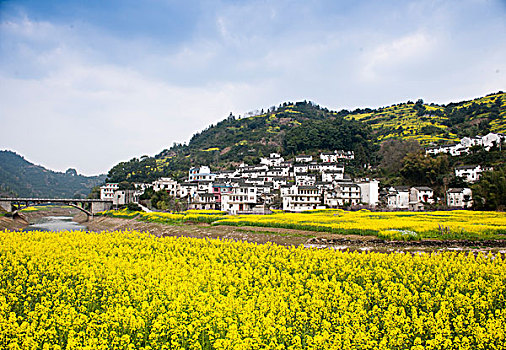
409,50
79,93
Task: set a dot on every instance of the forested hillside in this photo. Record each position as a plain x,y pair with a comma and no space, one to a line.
18,177
304,127
290,129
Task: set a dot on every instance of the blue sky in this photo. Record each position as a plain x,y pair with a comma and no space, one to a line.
87,84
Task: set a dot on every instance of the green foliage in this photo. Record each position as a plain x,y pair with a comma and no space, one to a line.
95,193
417,169
393,151
18,177
490,192
133,207
330,134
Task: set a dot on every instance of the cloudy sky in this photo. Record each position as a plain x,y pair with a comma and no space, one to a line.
87,84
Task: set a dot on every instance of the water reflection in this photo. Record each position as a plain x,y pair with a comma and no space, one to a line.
55,223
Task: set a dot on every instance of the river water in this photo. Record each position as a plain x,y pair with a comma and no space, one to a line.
55,223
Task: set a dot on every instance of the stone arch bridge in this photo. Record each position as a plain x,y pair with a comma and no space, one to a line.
88,206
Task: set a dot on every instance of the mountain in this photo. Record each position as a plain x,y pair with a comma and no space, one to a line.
18,177
304,127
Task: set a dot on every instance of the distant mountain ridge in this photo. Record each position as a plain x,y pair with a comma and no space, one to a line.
20,178
304,127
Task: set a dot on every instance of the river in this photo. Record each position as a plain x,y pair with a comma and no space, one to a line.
55,223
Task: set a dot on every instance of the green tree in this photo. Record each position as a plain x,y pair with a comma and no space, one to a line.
418,169
490,192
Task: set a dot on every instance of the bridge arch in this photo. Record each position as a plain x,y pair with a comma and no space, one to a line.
26,205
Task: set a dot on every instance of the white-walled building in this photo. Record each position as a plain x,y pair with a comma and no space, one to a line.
345,193
419,196
459,198
168,185
328,157
369,191
303,158
492,139
305,179
123,197
398,197
240,199
300,198
332,175
202,201
107,191
201,173
470,173
274,159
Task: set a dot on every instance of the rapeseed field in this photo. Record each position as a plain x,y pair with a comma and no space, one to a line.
456,224
131,290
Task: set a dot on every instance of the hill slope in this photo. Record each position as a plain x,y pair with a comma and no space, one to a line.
18,177
304,127
431,123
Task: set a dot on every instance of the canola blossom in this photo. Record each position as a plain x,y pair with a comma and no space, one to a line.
131,290
390,225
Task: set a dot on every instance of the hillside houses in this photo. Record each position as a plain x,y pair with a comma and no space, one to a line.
487,142
303,185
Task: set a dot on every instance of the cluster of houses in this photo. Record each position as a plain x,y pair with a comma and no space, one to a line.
464,146
303,184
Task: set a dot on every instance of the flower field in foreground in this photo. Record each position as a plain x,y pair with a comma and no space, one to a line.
390,225
131,290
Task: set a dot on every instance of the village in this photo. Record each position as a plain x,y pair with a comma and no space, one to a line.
304,183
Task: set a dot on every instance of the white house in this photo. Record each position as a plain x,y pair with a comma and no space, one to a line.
305,179
345,154
278,171
471,141
107,191
200,173
187,189
332,175
300,168
302,158
123,197
419,196
277,182
240,199
329,166
202,201
274,159
470,173
332,157
492,139
345,193
166,184
398,197
300,198
369,191
459,198
328,157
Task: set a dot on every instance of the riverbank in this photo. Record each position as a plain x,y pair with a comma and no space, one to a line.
256,234
26,218
291,237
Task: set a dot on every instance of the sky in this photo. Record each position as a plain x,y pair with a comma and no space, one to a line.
87,84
